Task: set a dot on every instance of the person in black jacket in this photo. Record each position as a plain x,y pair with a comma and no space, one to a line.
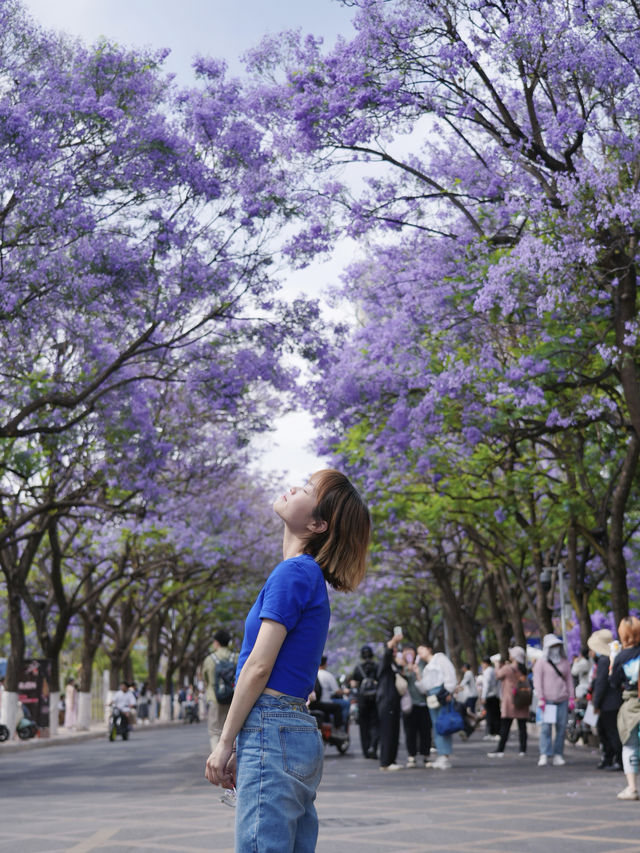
388,702
365,679
606,700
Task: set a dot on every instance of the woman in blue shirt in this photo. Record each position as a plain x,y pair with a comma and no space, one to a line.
279,747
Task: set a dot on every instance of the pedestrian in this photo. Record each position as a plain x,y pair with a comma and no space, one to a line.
388,705
515,700
553,685
415,714
490,700
624,676
70,705
438,682
605,700
143,704
332,692
216,710
466,696
279,747
581,672
365,679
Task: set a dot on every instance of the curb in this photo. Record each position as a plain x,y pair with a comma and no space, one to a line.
65,739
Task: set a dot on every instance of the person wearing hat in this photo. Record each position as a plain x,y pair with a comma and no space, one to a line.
513,676
606,700
553,685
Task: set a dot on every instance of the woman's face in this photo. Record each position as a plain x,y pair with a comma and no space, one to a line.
409,655
296,507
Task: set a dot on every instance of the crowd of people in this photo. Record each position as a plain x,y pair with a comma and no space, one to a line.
417,688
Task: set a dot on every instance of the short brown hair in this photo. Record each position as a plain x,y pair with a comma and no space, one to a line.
341,549
629,632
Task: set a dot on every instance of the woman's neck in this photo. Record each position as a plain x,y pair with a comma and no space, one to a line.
292,546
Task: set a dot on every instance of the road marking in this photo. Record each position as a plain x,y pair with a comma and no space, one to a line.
96,840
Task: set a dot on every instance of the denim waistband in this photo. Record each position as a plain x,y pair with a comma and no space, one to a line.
283,700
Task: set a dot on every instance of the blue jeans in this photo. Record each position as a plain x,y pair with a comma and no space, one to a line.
444,743
561,725
279,769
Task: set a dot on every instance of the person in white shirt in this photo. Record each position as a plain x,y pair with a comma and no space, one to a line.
124,700
490,700
581,671
333,693
439,672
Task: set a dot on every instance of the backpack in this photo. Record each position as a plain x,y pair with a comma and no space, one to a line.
522,693
368,685
224,679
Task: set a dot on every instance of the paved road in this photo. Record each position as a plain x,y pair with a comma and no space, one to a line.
149,796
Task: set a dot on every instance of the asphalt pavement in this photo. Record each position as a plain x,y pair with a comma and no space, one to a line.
83,794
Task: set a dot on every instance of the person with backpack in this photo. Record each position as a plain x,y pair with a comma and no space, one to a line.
515,700
365,679
270,746
218,674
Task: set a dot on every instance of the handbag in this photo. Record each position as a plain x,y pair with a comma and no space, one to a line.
402,685
449,721
442,695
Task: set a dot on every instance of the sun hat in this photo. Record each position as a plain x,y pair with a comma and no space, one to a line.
599,641
550,640
518,654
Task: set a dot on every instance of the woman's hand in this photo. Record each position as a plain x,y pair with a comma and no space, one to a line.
220,768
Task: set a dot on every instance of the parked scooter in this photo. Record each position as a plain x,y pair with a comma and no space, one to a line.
118,724
4,733
330,734
26,728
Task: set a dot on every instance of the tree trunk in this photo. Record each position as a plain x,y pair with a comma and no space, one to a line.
153,652
616,562
500,624
16,634
114,678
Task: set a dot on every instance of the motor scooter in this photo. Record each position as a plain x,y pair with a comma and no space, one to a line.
26,728
330,734
118,724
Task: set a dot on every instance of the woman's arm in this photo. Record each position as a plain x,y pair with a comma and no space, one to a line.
501,673
220,770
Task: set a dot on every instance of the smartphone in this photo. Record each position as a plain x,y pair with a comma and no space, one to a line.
397,631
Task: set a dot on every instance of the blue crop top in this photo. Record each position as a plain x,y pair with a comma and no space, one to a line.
295,595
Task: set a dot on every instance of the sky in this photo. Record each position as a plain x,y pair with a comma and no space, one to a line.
224,30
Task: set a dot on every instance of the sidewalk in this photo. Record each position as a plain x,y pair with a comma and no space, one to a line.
71,736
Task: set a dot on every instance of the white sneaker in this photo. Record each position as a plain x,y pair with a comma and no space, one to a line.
495,755
558,760
628,794
542,761
521,754
487,737
391,767
441,763
411,762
